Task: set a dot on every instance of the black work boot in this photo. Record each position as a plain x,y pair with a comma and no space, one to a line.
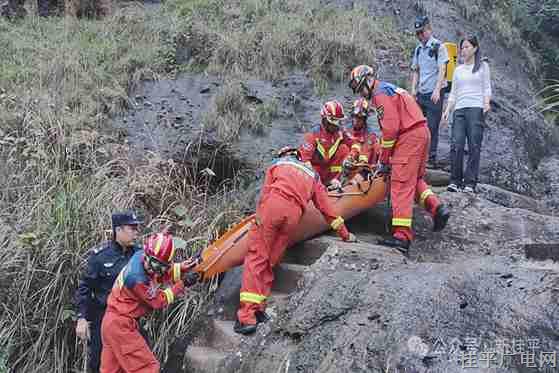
402,245
261,316
244,329
441,218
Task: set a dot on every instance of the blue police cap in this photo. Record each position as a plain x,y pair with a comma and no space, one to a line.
125,218
420,23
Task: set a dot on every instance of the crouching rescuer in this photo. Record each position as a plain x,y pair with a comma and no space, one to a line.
288,187
149,281
404,154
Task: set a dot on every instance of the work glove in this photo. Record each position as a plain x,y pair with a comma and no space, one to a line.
82,329
346,235
383,169
335,184
190,263
191,278
348,164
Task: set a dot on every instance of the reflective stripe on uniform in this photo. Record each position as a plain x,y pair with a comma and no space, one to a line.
169,295
331,151
387,143
252,297
335,168
170,258
426,193
120,279
337,223
299,166
401,222
158,243
176,272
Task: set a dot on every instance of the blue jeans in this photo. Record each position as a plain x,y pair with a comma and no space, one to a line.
433,112
468,124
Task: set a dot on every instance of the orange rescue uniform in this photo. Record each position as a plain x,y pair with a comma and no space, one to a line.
134,294
325,151
405,145
289,185
365,142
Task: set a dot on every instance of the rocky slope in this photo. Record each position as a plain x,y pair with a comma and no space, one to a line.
485,282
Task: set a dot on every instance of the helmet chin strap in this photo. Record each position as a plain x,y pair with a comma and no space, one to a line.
371,88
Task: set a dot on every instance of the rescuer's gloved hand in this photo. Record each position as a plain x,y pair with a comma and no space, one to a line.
346,235
335,184
190,263
191,278
348,164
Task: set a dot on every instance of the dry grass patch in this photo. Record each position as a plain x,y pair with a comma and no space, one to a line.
59,84
269,38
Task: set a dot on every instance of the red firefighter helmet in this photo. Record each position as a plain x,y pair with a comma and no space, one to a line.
160,247
360,108
287,151
359,76
333,112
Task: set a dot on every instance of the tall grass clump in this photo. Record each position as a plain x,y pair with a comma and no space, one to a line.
549,101
63,171
232,111
270,38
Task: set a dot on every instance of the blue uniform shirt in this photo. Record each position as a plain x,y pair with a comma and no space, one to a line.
425,59
103,266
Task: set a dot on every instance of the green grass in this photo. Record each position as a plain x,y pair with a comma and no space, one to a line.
59,86
270,38
64,170
518,25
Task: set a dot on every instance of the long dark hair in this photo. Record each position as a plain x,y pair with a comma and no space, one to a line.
472,39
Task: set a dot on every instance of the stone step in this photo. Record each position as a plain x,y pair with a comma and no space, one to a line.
286,277
222,336
305,253
542,251
276,302
437,177
204,359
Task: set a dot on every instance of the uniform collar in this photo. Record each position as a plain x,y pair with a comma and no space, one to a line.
429,43
118,248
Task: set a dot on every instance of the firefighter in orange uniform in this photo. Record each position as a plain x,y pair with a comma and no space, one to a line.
288,187
149,281
405,150
327,145
363,139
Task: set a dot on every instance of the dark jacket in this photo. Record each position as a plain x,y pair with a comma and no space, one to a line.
103,266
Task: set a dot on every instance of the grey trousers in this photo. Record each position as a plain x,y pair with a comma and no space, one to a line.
468,125
433,112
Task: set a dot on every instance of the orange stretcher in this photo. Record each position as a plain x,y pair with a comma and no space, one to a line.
230,249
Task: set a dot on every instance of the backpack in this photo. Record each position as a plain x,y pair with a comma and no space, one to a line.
452,51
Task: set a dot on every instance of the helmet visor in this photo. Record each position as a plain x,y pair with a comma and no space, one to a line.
157,266
334,121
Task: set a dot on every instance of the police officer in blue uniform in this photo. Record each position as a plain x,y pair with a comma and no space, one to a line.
103,266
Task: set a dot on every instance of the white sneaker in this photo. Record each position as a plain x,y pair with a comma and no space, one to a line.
468,189
452,188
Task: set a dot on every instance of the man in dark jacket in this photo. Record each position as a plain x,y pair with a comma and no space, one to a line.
16,9
103,266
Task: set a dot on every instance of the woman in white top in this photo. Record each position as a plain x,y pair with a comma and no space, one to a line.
470,97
